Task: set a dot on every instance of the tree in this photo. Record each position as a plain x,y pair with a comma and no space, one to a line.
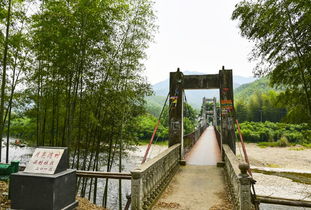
87,88
282,34
4,71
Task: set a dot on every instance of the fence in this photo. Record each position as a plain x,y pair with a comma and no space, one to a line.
191,138
151,178
239,180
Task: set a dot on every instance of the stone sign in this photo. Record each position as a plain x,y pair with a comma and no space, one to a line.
44,161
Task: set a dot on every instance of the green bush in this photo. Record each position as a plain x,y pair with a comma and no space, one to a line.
276,132
283,142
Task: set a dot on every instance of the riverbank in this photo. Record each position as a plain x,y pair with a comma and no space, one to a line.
293,157
130,162
282,159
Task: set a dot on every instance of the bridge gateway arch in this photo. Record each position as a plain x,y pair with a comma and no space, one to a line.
180,82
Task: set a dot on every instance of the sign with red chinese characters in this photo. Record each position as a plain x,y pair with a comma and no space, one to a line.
44,161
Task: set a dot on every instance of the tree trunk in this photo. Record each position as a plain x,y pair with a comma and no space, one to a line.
3,82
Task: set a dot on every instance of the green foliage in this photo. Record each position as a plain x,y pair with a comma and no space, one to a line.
283,142
154,104
245,91
81,62
260,107
145,128
23,128
281,32
275,134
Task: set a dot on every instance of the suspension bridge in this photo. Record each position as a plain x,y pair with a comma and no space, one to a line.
200,169
191,173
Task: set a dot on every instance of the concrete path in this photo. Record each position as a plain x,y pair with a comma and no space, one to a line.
206,151
199,185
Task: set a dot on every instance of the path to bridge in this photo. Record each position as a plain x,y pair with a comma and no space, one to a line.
200,184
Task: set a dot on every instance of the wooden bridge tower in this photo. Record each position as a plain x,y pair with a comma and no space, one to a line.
180,82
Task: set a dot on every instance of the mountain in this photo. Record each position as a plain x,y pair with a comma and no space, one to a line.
246,90
194,97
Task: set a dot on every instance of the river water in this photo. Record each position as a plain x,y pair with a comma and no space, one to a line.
133,159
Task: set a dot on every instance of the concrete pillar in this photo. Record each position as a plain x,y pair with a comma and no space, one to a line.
215,112
176,109
203,114
227,108
137,190
245,188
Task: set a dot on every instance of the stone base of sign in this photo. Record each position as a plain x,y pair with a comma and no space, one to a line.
44,192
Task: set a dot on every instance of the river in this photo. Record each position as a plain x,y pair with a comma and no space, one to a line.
130,162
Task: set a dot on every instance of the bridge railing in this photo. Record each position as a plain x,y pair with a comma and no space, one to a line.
218,135
151,178
239,180
191,138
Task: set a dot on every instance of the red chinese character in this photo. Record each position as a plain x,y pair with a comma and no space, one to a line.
45,162
50,169
50,155
52,162
43,154
35,162
37,154
57,155
40,162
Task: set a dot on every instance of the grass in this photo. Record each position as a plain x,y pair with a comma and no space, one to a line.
308,146
295,177
297,148
160,143
278,144
272,165
267,144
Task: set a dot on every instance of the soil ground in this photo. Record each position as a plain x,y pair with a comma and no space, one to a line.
295,157
288,158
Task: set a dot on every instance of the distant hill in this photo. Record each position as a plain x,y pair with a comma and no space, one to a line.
155,104
194,97
246,90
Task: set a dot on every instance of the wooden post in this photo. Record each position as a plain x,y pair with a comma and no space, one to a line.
176,109
227,108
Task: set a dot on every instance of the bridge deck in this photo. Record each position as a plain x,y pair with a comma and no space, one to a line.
199,185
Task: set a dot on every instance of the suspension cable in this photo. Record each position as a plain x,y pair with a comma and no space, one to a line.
155,130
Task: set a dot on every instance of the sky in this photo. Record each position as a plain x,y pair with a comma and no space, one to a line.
197,35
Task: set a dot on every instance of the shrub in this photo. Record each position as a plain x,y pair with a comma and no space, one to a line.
273,132
283,142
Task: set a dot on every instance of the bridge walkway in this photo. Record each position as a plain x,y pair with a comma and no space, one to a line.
199,185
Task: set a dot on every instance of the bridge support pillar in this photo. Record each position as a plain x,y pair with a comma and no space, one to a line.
176,109
227,108
215,112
